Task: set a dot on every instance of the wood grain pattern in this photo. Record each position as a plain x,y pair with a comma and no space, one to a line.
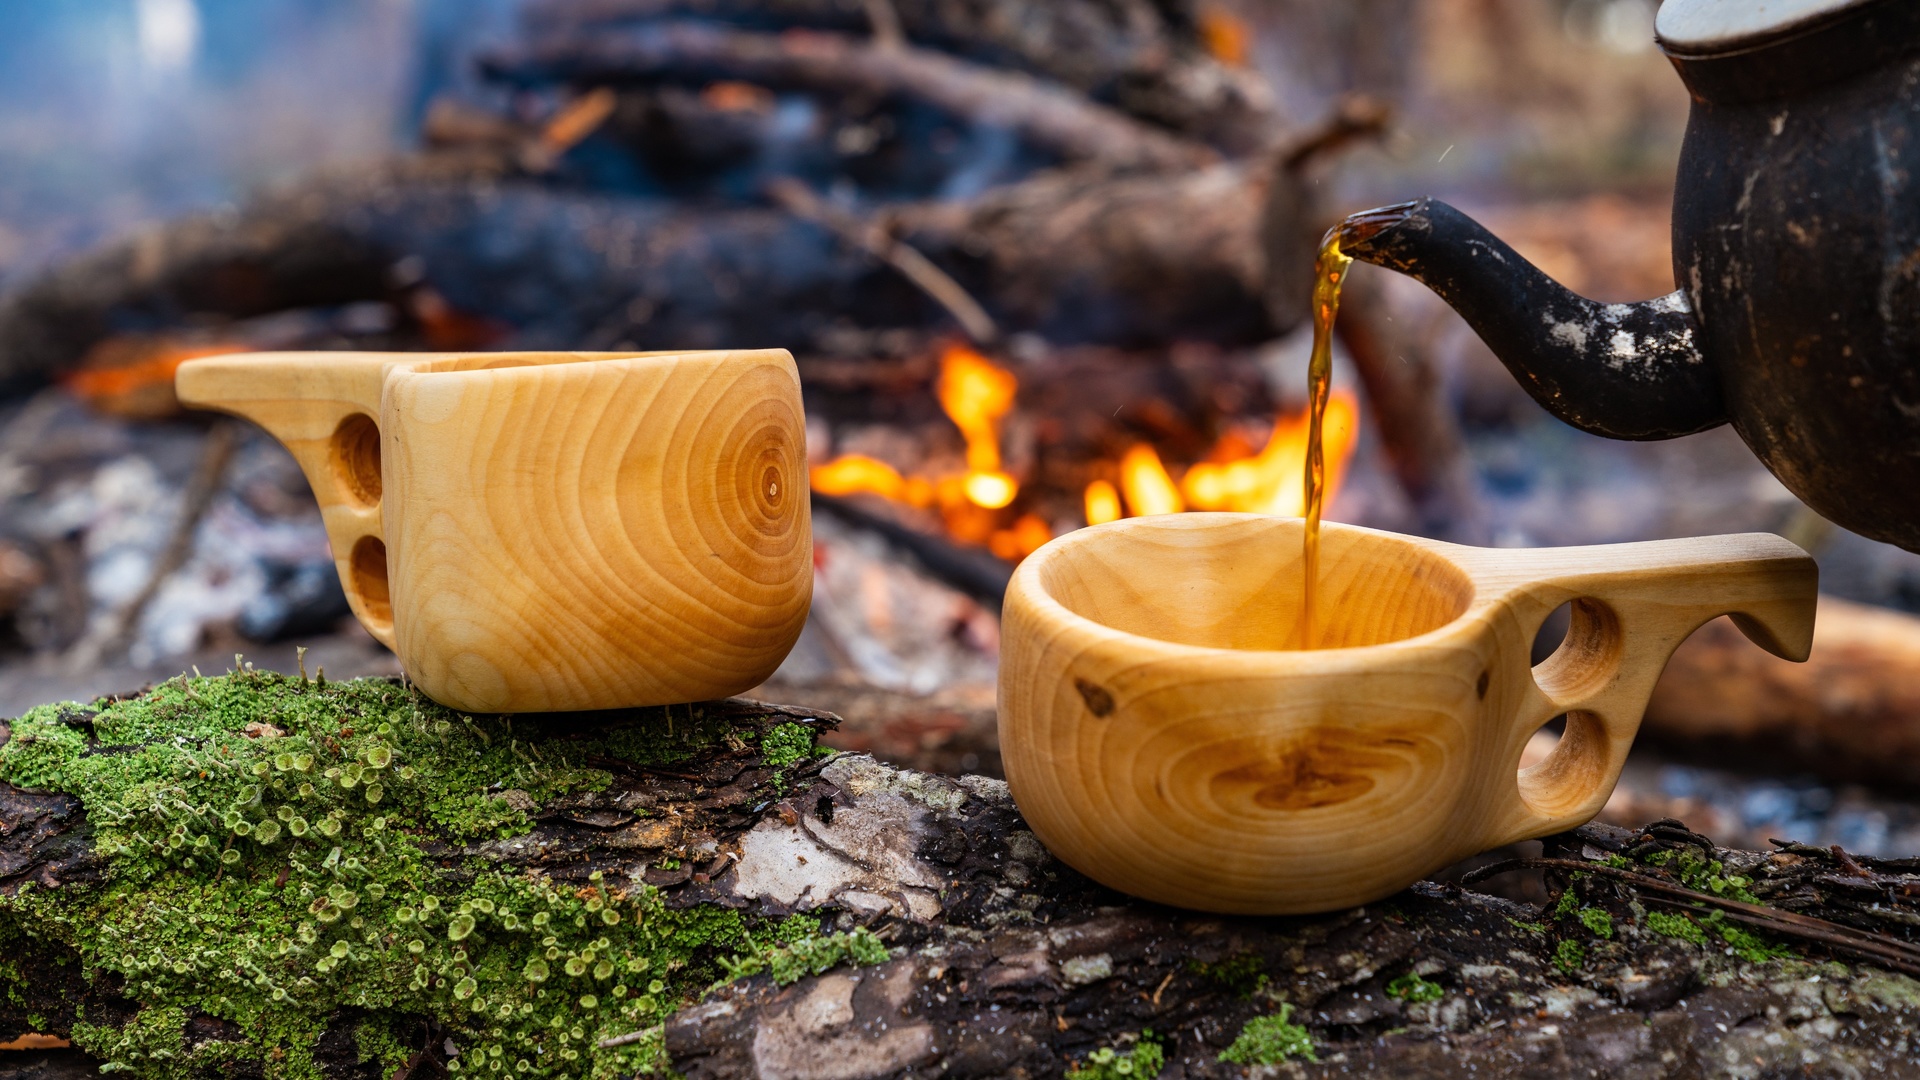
538,532
1162,735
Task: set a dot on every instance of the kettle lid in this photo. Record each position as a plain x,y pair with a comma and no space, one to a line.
1704,27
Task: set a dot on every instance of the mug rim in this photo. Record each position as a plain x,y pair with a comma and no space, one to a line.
1026,584
486,362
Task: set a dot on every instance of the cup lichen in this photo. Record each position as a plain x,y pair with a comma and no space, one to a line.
249,879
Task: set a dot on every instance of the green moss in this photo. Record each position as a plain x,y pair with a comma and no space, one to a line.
1570,956
1411,987
1270,1040
274,878
786,744
1746,944
1143,1062
795,949
1243,974
1529,927
1700,873
1597,921
1669,924
1569,903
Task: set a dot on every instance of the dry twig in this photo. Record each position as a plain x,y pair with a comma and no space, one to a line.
1865,945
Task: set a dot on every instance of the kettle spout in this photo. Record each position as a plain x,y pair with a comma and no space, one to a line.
1626,371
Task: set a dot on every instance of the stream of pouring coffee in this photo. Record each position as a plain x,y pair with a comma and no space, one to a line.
1329,271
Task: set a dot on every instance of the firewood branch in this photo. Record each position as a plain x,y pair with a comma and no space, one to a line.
1045,113
797,198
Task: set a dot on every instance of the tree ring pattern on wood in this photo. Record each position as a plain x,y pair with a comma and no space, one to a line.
1246,775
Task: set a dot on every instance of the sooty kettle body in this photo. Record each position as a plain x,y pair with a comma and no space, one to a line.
1796,249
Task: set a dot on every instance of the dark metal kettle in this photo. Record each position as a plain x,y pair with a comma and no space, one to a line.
1796,246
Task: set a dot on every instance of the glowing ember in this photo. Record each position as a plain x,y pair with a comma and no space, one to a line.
1022,540
851,474
133,375
1148,488
992,490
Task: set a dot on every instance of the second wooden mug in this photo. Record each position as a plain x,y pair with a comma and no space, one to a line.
1164,734
551,531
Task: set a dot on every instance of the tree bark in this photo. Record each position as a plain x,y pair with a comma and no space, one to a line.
1004,962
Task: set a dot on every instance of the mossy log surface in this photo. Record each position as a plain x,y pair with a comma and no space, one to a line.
703,890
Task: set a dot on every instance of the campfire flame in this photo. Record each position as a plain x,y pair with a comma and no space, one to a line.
977,394
1274,481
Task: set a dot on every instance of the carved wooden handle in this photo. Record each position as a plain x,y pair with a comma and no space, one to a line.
1627,619
324,407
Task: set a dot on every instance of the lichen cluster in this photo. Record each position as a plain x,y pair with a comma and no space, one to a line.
1270,1040
1412,987
280,850
1143,1060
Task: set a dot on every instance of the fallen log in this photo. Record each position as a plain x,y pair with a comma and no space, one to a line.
1048,115
1851,713
693,887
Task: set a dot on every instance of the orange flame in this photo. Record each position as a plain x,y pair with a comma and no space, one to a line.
851,474
1146,484
1274,481
1233,478
1103,503
976,394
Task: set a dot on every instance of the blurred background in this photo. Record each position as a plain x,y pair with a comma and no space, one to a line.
1040,265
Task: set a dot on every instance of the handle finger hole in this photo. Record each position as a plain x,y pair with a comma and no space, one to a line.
367,583
355,455
1587,658
1571,771
1552,632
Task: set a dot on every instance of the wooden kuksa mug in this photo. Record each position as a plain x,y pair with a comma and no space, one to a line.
1163,736
551,531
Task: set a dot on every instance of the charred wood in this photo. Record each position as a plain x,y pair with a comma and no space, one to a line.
1141,57
1044,113
971,570
1068,256
1124,260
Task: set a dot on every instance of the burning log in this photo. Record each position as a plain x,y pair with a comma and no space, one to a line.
1851,713
778,910
1046,115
